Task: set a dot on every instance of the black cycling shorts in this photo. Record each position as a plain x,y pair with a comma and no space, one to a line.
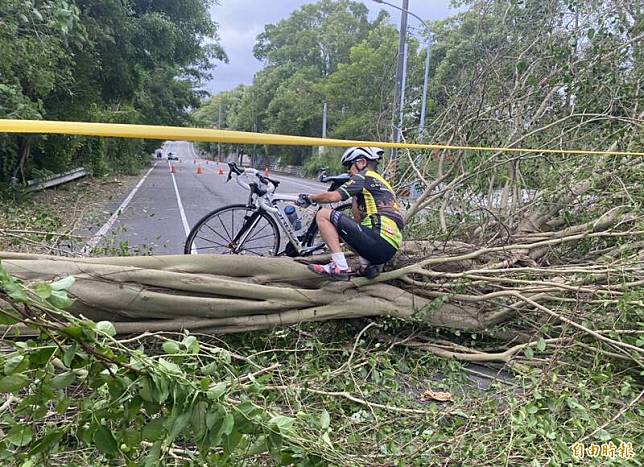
365,241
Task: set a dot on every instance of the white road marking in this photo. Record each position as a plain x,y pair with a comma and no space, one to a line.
95,240
184,219
194,153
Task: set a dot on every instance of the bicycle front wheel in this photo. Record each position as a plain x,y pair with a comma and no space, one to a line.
234,230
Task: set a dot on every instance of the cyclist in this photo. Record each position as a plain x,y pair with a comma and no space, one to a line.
374,232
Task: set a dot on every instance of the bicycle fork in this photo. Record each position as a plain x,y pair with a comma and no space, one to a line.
249,224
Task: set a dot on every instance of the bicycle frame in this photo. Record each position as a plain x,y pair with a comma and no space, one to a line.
263,199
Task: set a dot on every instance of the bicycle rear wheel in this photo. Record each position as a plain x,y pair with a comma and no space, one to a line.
234,230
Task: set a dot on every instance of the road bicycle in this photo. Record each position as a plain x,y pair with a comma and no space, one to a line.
254,228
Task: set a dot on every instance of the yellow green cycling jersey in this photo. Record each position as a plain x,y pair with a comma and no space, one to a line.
377,201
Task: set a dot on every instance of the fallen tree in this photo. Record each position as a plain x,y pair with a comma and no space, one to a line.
454,285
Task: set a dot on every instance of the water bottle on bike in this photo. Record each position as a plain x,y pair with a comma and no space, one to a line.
293,217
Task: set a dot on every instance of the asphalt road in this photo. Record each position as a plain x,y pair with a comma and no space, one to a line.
165,207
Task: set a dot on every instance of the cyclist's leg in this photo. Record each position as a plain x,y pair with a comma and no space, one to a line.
328,232
372,248
338,268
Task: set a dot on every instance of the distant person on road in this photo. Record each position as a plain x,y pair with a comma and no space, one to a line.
375,230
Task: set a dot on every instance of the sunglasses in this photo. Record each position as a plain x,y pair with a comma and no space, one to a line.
348,165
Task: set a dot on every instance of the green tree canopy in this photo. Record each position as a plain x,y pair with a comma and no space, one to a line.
132,61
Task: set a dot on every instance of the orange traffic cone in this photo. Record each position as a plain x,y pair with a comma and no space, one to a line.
266,172
221,171
199,170
173,169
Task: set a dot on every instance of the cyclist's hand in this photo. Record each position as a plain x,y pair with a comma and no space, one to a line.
304,200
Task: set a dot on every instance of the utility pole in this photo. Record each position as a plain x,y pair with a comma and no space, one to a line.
400,77
403,86
406,11
324,110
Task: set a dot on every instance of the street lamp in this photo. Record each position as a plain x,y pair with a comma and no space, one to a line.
400,79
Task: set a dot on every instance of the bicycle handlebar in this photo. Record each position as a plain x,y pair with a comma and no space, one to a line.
235,169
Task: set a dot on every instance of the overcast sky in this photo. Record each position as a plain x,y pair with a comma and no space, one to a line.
240,21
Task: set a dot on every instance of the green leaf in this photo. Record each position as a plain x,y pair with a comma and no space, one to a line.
258,447
131,438
275,443
63,284
43,290
60,299
325,420
154,430
161,388
214,417
146,390
13,383
75,332
62,381
170,367
15,291
221,354
604,435
198,419
281,422
7,319
232,441
20,435
16,363
40,357
210,369
191,344
178,424
528,352
228,424
106,327
541,344
104,440
69,354
327,440
171,347
216,391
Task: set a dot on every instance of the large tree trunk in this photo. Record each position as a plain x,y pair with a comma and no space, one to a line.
210,293
453,284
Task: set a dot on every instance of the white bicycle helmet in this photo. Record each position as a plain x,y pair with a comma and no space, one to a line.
353,154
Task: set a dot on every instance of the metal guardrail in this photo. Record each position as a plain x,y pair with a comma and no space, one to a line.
54,180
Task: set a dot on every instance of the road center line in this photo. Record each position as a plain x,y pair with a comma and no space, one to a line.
95,240
182,212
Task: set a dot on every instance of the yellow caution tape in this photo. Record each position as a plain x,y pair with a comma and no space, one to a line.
170,133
